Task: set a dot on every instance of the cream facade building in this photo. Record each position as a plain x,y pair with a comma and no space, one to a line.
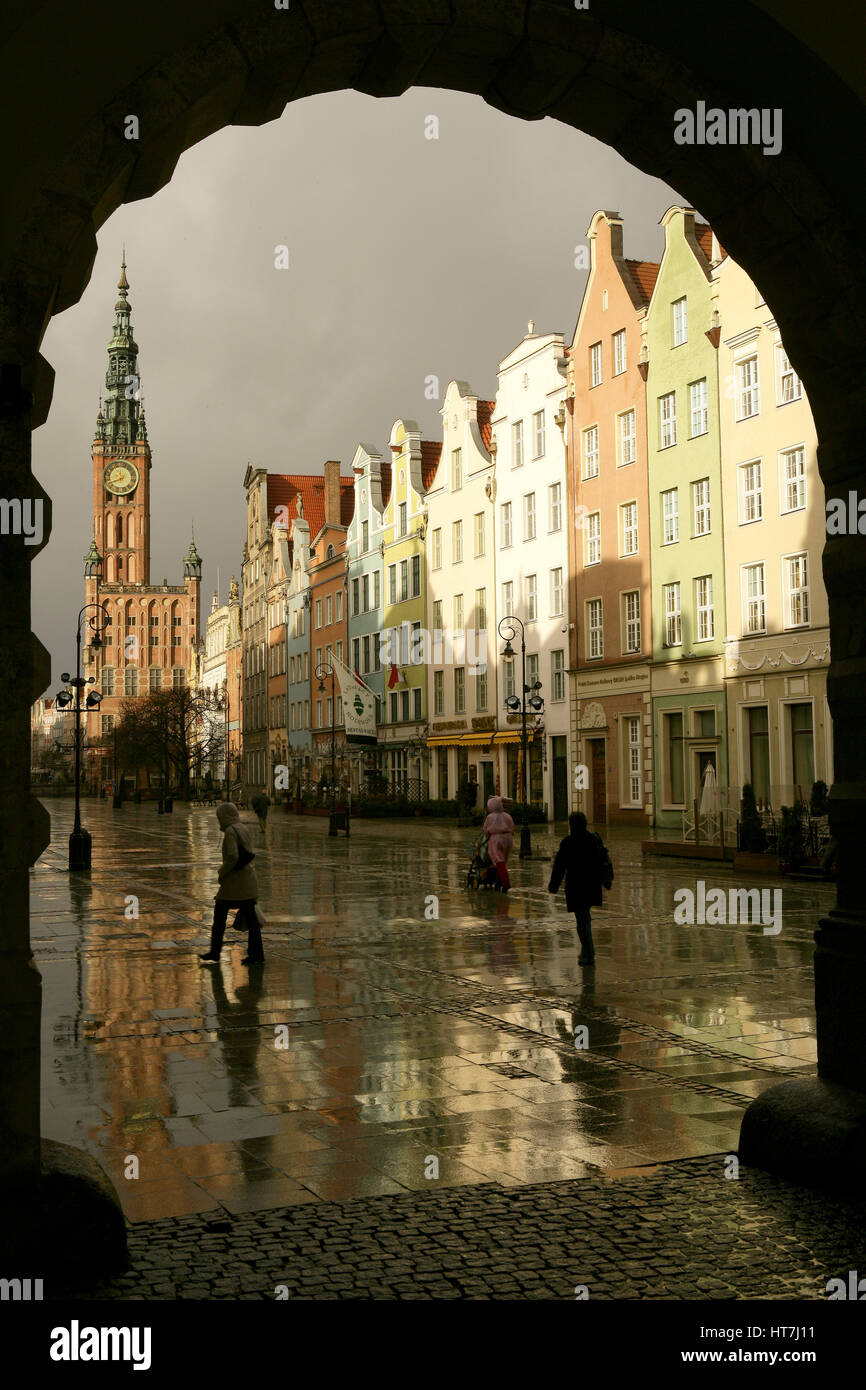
777,650
531,560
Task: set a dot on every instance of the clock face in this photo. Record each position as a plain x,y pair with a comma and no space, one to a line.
120,477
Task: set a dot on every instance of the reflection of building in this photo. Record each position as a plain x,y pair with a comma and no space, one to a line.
152,630
364,541
212,679
300,737
778,639
329,622
611,629
234,692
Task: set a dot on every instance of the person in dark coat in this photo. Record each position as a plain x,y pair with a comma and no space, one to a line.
580,859
238,887
260,803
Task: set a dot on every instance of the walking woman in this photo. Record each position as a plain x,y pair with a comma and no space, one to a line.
238,887
585,864
499,829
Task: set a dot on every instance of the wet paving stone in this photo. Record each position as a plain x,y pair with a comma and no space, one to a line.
375,1038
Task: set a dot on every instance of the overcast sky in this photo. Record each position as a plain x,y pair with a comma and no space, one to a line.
408,257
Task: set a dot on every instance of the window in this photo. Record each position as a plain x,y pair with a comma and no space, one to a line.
538,434
339,602
704,605
377,652
628,528
456,542
365,535
177,640
754,600
480,610
178,678
531,598
792,469
751,492
365,591
632,739
595,365
402,519
758,736
698,407
631,621
436,559
392,583
680,321
529,517
748,393
416,576
367,653
459,690
392,707
356,653
437,615
508,598
505,518
404,580
667,420
456,469
481,690
593,538
318,612
554,507
517,444
627,438
590,452
328,611
458,612
788,384
802,747
108,680
796,590
556,593
619,352
479,533
376,594
673,754
594,629
438,692
557,675
701,507
670,516
673,615
356,596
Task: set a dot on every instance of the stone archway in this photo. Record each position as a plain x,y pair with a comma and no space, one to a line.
78,83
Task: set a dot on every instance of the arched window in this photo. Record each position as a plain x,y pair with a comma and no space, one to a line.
331,552
109,531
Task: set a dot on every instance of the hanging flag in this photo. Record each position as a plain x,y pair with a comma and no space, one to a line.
359,705
394,678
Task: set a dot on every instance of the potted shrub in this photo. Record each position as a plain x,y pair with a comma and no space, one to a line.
791,839
819,802
753,839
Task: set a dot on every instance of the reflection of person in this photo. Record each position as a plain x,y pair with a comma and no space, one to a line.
579,860
238,886
499,829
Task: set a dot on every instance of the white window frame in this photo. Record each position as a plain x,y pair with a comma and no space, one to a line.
631,622
803,589
557,675
529,526
800,482
753,589
457,542
506,523
478,537
532,598
592,533
594,629
517,444
785,370
538,434
750,496
557,591
629,437
701,508
673,613
632,760
619,352
590,455
705,616
437,548
670,516
554,506
667,414
679,321
748,397
595,365
628,528
698,407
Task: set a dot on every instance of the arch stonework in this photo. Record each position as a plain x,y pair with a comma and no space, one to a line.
72,75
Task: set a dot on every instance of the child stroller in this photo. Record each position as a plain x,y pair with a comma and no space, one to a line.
482,870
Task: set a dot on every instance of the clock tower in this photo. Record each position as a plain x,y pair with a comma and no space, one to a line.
121,459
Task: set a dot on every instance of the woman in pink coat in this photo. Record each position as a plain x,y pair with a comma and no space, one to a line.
499,829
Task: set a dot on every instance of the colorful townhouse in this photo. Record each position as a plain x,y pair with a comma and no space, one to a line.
531,566
608,503
778,641
298,679
329,632
366,588
404,525
460,645
689,624
280,570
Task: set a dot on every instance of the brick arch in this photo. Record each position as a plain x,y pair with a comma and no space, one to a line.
618,72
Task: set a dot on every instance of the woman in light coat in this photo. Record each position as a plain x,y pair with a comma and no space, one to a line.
499,829
238,887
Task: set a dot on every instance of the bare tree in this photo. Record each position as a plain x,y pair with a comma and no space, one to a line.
166,732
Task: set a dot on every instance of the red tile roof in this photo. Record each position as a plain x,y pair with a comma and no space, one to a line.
485,411
385,471
644,274
431,450
704,237
283,489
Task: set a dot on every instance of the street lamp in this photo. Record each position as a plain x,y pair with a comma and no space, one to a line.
323,671
80,844
508,628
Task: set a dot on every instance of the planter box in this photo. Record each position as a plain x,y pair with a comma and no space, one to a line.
756,863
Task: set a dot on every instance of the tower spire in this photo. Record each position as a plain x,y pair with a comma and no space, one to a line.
123,388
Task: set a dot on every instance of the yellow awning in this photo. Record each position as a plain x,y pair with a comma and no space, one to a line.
477,740
514,737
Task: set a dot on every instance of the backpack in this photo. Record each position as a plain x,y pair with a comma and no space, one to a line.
605,864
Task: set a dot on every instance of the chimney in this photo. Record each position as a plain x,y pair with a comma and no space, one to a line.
332,492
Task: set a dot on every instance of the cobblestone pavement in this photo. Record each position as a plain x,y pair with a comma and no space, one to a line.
379,1042
682,1231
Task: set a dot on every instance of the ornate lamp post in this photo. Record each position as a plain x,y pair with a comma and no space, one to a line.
80,844
323,671
508,628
